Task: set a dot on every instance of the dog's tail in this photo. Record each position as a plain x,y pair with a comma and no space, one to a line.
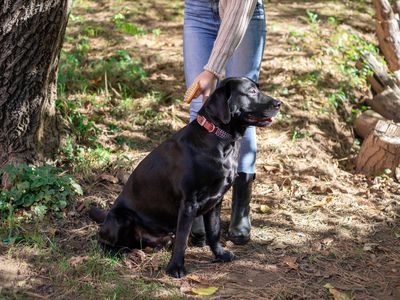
97,215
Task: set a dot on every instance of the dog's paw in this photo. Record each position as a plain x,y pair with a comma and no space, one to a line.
226,256
175,270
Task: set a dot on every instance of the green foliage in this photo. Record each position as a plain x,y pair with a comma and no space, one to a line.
312,17
347,48
298,134
129,28
337,99
81,126
35,192
84,159
360,109
78,73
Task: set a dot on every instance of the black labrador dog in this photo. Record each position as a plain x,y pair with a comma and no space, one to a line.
187,176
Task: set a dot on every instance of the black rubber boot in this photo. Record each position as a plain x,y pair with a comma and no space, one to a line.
239,229
198,233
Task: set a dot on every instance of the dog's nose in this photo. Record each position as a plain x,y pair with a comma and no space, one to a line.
276,104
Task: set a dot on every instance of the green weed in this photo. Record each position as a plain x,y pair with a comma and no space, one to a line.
129,28
85,160
82,127
35,192
298,134
312,17
79,74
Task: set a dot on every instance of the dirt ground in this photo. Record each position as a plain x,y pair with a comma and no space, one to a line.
315,220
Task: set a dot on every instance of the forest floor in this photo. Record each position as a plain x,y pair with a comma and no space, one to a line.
320,230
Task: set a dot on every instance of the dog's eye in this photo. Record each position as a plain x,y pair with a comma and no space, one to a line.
253,91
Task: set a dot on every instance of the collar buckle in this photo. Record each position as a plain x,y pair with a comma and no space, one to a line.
211,128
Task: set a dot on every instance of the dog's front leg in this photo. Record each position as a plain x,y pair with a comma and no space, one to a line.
176,267
212,224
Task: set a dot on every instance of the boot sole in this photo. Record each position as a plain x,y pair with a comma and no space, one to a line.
242,240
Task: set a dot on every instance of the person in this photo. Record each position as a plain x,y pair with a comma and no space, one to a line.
225,35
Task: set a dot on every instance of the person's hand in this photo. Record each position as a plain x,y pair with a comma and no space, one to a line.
204,84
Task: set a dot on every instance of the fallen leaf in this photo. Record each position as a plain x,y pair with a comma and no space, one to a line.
52,232
335,293
194,278
327,241
109,178
323,202
328,191
76,260
317,189
271,169
137,255
205,291
264,208
369,246
185,287
397,174
135,259
291,262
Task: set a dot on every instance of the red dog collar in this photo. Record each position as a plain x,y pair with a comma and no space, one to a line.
210,127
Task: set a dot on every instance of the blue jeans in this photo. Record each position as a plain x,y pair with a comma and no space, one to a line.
201,25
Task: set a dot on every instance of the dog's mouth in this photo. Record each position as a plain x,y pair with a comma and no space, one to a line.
259,120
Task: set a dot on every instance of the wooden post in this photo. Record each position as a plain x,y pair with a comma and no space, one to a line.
380,150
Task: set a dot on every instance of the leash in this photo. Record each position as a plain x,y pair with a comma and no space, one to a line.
211,128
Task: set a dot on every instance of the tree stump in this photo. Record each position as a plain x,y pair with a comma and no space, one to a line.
365,123
380,150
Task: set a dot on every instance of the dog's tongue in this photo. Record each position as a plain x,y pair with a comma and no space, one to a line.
269,120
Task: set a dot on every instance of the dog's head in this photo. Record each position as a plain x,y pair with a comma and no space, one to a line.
238,100
116,232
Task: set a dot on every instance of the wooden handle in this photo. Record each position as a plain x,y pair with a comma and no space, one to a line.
192,92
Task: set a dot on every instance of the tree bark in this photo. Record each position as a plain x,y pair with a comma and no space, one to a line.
366,122
388,32
380,78
381,150
31,36
387,104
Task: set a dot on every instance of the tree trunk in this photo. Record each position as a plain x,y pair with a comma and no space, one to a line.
381,150
31,36
388,32
365,123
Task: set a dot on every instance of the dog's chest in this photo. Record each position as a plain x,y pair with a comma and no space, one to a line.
219,177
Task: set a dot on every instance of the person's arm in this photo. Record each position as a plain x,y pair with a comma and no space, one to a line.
235,17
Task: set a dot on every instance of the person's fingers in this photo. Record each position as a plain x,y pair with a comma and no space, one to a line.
206,94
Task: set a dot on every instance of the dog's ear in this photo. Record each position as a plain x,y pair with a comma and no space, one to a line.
218,104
